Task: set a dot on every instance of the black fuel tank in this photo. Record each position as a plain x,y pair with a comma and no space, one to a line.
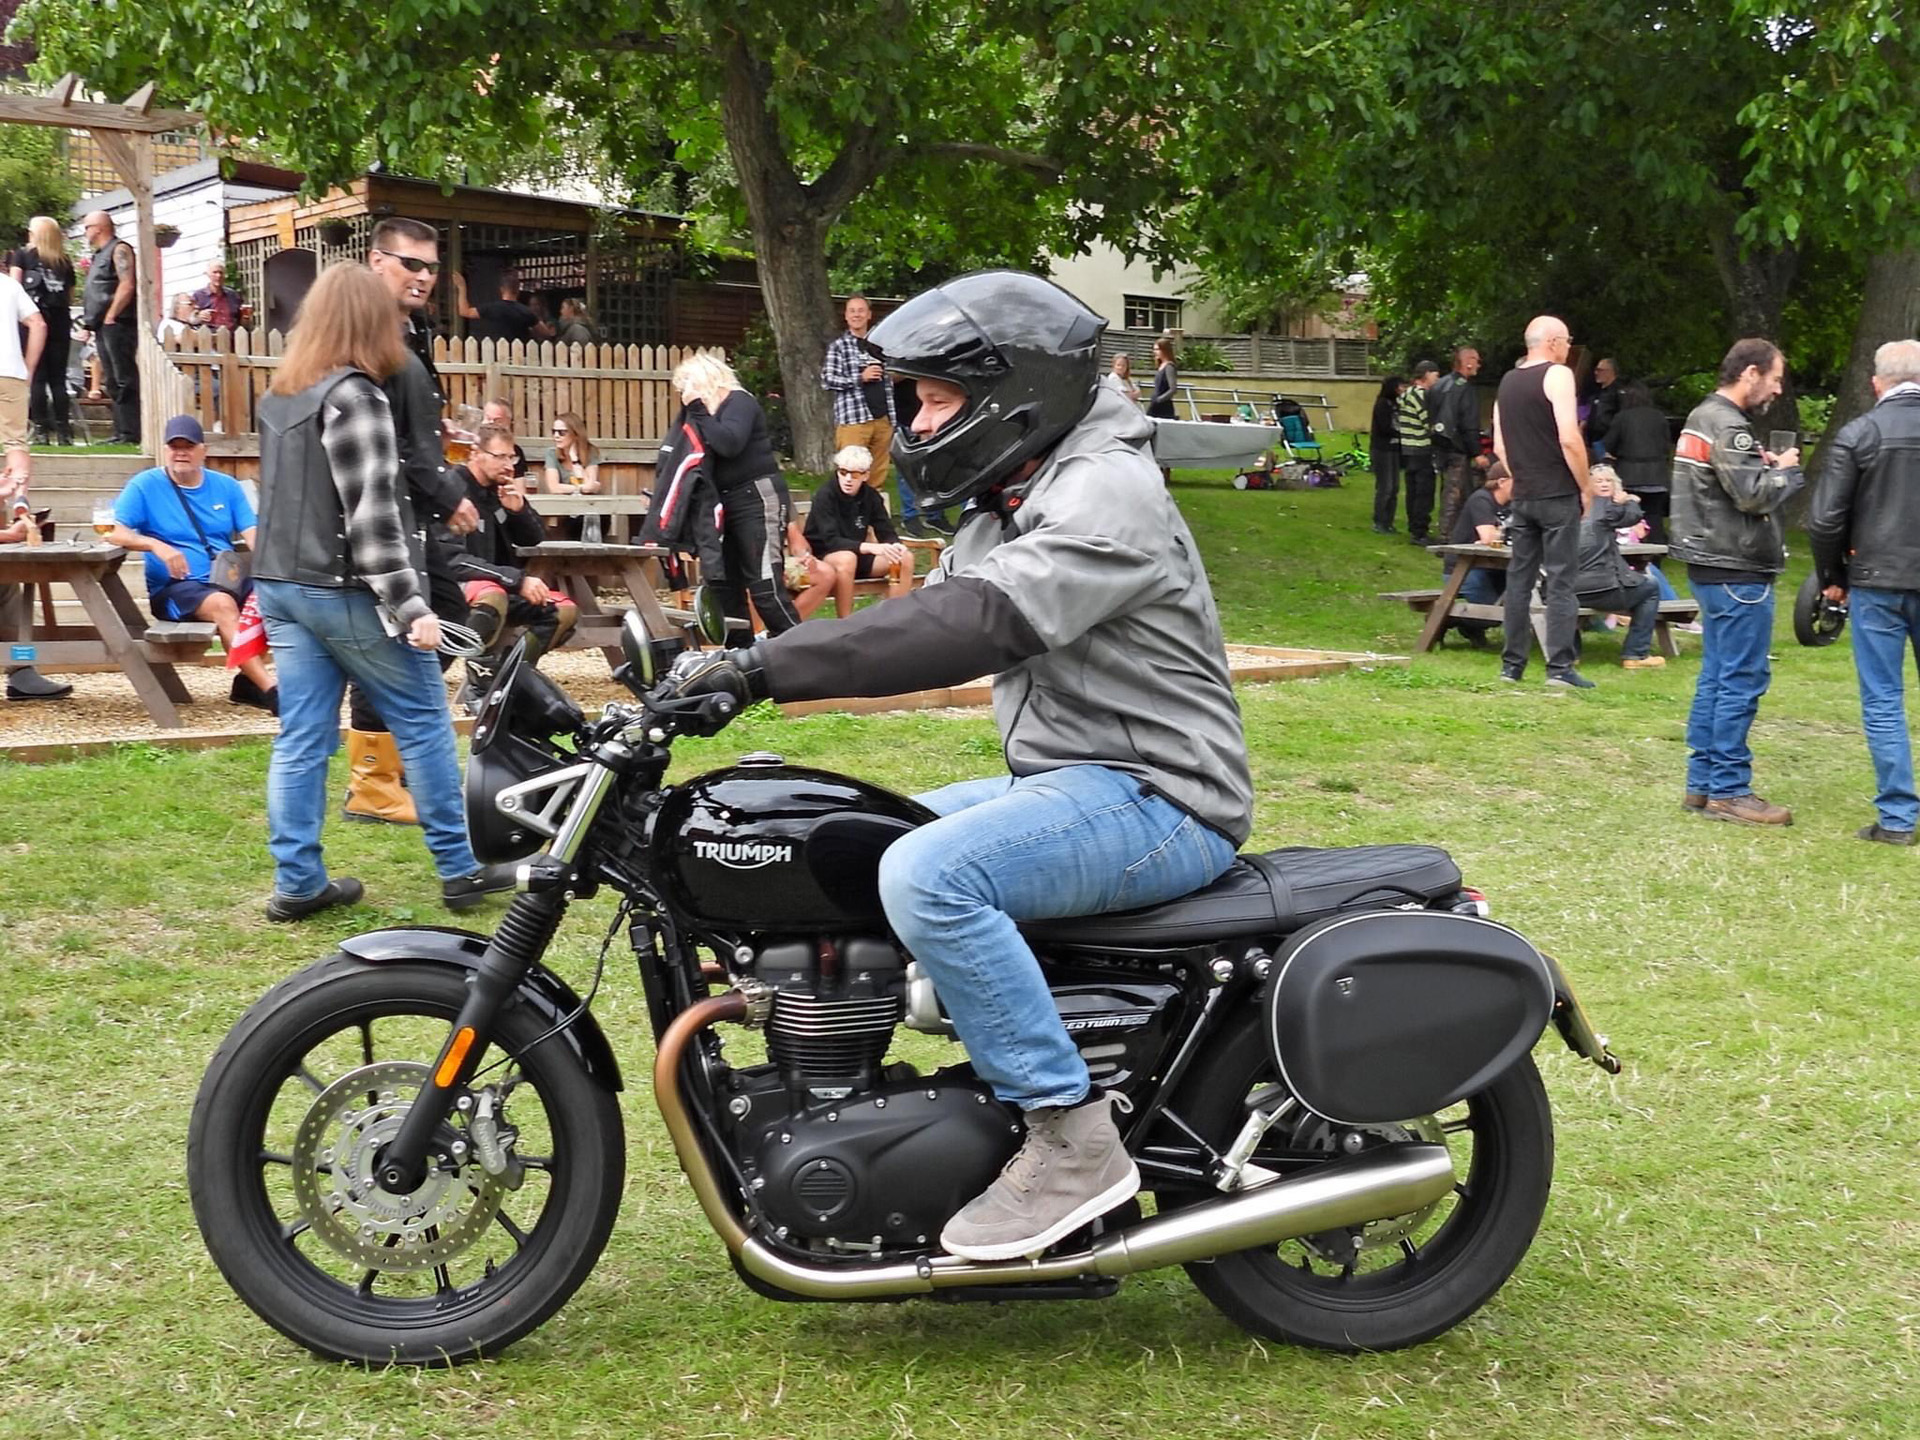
768,846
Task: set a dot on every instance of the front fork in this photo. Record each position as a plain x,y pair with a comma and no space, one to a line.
547,883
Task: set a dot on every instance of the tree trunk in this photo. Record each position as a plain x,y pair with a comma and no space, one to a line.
792,260
1758,282
1889,310
790,221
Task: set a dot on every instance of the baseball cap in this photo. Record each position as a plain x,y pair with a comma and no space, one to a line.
184,427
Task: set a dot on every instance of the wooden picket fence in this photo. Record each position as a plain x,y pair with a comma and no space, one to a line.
621,392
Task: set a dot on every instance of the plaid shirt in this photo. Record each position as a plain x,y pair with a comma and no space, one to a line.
840,374
357,430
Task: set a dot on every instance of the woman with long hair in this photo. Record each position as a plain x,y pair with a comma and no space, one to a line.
42,268
338,572
757,508
1120,377
1166,380
573,464
1383,448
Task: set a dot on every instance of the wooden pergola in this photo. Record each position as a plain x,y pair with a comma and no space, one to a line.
124,134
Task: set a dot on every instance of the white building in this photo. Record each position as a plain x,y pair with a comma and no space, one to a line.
1133,296
194,200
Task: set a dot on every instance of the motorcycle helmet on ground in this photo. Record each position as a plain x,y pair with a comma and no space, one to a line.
1026,353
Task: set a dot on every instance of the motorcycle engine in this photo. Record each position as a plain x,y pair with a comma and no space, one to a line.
844,1156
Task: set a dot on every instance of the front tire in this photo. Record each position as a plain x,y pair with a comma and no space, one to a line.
285,1126
1401,1280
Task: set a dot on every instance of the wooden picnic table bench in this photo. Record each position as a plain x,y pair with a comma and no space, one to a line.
576,569
1443,605
92,571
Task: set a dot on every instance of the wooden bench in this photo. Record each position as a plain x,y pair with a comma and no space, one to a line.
1672,612
880,584
180,642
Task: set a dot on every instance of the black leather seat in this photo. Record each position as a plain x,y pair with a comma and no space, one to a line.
1271,894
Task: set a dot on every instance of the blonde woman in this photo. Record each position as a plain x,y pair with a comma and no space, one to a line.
43,270
338,575
572,464
758,509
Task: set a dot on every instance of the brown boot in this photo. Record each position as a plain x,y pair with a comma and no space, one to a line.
376,787
1748,810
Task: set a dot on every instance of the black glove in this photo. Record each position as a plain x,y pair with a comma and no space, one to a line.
699,673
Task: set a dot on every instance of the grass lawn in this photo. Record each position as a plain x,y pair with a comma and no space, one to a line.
1732,1246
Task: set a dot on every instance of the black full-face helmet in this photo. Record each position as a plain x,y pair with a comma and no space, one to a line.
1026,352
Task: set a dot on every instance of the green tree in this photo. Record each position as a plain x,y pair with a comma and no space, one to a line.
34,180
1056,120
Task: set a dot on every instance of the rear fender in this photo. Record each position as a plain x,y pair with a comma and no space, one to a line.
549,997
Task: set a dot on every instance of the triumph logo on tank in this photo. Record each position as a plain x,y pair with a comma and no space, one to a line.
742,854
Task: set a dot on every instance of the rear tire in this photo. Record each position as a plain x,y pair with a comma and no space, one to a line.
279,1131
1410,1280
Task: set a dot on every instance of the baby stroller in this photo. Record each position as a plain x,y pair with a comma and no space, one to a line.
1317,471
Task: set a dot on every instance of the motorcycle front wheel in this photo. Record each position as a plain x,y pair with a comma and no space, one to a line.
1402,1279
523,1185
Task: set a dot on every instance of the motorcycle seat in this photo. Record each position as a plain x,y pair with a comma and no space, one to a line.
1271,894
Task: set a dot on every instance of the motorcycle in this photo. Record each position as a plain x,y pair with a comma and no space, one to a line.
412,1150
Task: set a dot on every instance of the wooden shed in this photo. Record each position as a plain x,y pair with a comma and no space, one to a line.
622,263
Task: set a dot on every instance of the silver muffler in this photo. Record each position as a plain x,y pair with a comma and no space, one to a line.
1350,1192
1392,1181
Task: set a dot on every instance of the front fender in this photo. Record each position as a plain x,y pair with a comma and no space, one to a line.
550,997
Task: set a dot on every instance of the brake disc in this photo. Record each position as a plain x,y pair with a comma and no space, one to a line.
334,1159
1339,1246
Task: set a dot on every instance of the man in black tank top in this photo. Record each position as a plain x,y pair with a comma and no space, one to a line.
1536,432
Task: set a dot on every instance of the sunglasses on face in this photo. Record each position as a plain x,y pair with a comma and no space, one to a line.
561,430
857,474
498,454
412,264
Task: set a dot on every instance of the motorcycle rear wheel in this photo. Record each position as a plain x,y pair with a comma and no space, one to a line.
1410,1277
293,1105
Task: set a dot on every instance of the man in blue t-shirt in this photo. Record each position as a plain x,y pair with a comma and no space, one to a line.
181,514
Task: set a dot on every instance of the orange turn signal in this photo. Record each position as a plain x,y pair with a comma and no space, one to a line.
456,1056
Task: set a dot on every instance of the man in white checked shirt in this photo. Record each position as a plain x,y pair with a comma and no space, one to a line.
863,411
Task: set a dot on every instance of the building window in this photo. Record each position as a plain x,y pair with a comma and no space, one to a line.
1150,312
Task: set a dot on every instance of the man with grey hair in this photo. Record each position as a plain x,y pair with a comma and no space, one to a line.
1536,434
111,319
1865,529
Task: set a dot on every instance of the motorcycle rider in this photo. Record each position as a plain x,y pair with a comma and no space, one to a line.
1075,582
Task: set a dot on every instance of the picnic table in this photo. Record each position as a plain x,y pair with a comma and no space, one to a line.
576,569
620,514
92,571
1445,604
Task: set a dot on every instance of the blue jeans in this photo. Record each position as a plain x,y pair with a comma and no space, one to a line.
321,638
1076,841
1736,626
1885,625
1641,601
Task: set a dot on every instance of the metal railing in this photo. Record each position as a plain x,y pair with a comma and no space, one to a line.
1228,399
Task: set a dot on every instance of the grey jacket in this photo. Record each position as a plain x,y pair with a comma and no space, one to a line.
1083,594
1602,566
1726,498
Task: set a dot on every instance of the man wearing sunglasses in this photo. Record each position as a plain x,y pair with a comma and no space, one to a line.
405,254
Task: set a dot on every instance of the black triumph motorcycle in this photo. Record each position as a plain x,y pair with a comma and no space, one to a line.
413,1149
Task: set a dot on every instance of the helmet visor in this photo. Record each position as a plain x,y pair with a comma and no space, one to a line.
932,337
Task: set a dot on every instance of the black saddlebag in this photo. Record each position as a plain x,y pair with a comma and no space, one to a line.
1393,1014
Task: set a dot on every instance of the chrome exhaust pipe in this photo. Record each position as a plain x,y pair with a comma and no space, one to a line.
1374,1186
1349,1192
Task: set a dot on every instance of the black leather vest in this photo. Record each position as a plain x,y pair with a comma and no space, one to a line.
303,534
103,278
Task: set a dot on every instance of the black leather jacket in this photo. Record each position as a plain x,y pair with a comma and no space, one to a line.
1726,498
1865,520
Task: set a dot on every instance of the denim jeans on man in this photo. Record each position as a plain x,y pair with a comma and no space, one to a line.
321,638
1545,540
1885,625
1075,841
1640,602
1736,626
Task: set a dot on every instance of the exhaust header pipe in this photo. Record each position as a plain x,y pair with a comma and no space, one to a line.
1348,1192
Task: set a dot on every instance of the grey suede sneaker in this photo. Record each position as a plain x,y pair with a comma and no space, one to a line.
1072,1169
